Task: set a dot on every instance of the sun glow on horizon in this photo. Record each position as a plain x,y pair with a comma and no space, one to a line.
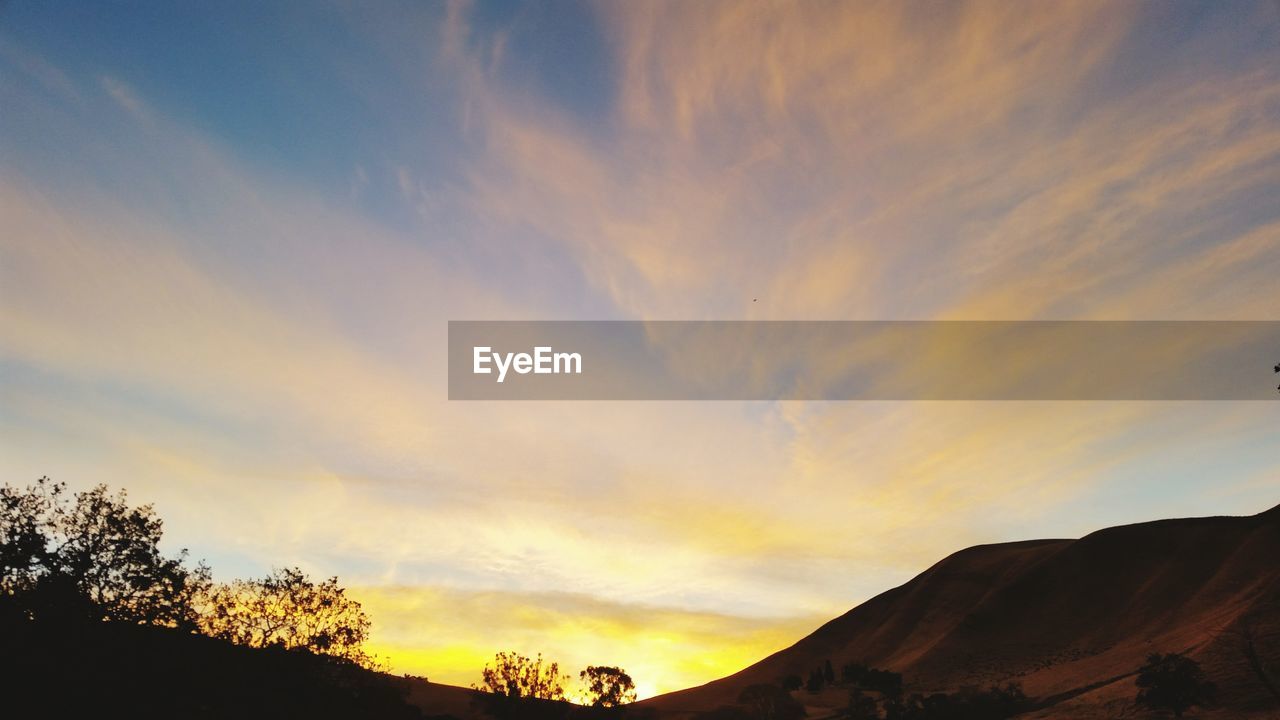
449,636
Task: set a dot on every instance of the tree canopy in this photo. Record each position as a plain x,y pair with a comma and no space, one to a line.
517,676
93,556
1173,682
93,552
289,610
608,686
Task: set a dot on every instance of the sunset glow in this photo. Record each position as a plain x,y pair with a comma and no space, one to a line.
229,250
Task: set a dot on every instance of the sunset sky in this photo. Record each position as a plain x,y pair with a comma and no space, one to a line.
232,234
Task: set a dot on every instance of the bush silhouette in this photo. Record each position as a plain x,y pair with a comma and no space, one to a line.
515,675
770,702
1173,682
516,686
969,703
885,682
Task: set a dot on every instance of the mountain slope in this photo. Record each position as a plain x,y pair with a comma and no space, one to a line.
1069,619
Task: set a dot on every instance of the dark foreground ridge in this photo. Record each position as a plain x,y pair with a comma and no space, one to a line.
90,669
83,669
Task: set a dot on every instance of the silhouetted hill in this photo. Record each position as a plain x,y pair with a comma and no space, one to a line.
84,669
1071,620
77,668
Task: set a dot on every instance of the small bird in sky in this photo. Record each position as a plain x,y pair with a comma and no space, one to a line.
1277,367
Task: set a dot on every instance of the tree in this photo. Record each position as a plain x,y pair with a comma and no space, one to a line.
26,531
608,686
516,676
770,702
97,551
516,686
791,682
815,682
886,682
969,702
1173,682
828,673
286,609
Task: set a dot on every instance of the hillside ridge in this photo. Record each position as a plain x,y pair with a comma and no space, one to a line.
1068,619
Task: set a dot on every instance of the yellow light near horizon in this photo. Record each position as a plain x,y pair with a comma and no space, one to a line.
449,636
654,673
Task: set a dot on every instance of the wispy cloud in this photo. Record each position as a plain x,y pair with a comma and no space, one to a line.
262,353
125,96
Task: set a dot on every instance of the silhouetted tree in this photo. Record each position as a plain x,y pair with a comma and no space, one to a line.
69,562
515,675
969,703
288,610
815,682
770,702
885,682
1173,682
94,550
516,686
608,686
26,530
791,682
828,674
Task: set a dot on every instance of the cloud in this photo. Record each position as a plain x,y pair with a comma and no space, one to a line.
266,360
49,77
125,96
449,635
880,161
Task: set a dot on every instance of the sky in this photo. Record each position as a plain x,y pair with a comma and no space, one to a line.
232,235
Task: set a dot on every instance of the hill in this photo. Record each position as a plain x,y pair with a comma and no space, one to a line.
68,666
1071,620
76,668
